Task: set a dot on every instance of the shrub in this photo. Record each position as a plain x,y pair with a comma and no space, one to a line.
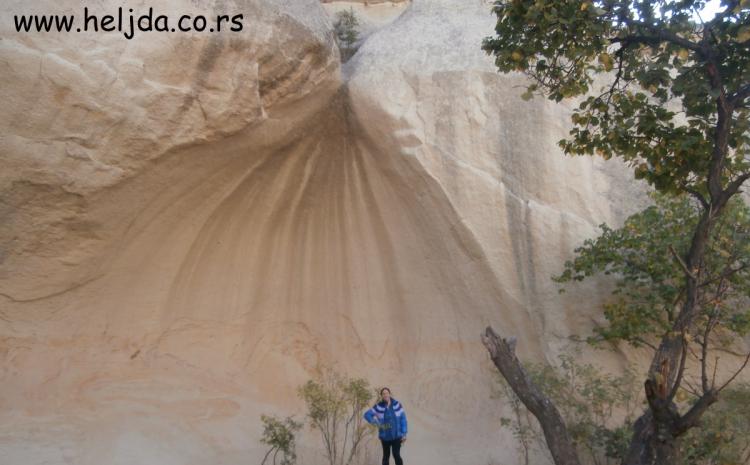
279,434
587,398
335,405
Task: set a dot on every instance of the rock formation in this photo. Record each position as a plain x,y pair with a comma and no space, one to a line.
191,223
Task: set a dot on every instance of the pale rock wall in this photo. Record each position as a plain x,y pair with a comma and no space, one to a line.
191,225
87,111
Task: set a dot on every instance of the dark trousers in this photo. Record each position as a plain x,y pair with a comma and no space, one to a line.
395,445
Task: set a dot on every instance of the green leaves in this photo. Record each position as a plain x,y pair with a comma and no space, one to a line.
539,36
649,282
606,60
666,76
333,395
346,29
658,107
673,104
587,398
722,438
279,434
335,404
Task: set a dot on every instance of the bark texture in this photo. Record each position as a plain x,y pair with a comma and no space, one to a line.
556,434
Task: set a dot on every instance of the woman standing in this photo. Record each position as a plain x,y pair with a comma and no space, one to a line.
390,418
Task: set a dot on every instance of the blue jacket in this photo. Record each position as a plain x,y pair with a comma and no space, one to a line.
391,420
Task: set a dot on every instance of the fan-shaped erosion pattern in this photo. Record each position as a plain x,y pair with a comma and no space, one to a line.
191,223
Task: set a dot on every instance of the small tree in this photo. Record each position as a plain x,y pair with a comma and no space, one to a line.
279,435
335,406
588,399
346,31
521,424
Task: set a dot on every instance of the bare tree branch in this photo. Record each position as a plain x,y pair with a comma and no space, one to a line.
555,431
698,196
681,370
692,417
747,358
684,267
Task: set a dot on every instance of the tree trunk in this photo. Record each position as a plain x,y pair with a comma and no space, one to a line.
555,432
649,446
656,440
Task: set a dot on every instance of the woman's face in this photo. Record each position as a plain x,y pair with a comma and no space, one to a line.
386,395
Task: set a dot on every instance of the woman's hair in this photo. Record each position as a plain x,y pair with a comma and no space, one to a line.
384,389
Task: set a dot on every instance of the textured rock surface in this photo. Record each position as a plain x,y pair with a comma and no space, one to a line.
192,223
88,111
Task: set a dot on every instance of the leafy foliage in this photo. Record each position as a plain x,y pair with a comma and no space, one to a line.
346,30
334,408
664,72
650,283
589,399
599,409
723,438
279,434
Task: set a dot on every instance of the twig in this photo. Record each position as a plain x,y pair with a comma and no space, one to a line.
747,358
713,377
684,267
681,370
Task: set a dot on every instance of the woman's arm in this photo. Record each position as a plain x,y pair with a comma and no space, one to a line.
370,417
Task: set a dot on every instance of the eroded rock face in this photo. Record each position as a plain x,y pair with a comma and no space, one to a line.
88,111
192,224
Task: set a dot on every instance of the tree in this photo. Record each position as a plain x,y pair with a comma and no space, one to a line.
650,287
346,31
279,434
588,397
675,108
335,406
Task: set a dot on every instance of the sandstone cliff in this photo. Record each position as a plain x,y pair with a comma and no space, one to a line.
191,223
